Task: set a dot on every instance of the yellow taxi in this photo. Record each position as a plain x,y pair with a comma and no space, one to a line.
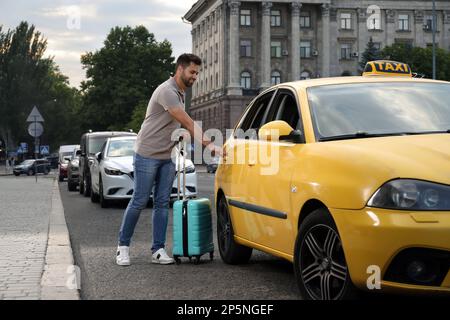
348,178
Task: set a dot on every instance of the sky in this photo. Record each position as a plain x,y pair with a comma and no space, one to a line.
74,27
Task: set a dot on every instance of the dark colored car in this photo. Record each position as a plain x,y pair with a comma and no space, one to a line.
73,170
31,166
90,144
212,166
53,159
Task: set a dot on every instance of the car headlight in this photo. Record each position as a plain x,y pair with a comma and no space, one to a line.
407,194
113,172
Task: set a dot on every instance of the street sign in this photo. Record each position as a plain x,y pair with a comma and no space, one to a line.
45,149
24,147
35,116
35,129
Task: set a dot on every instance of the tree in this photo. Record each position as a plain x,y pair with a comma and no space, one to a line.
28,79
370,54
420,59
122,76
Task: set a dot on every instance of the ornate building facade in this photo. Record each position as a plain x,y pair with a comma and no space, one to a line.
247,46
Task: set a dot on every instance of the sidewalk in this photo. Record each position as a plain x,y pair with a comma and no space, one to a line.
36,260
5,171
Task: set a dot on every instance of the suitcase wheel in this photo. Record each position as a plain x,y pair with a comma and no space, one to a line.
211,256
177,260
197,260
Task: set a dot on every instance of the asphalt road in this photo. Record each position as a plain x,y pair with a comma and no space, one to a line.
94,231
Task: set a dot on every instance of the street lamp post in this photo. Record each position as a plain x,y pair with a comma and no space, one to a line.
434,39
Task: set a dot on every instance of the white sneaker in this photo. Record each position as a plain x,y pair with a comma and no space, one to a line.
123,256
161,257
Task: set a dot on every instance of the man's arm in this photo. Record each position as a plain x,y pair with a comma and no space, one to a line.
194,129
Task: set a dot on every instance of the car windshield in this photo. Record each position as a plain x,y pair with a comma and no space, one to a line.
63,155
96,144
371,109
27,162
121,148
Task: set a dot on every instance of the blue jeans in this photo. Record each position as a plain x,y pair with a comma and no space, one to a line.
148,173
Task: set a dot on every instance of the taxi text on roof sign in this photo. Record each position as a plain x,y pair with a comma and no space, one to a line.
387,68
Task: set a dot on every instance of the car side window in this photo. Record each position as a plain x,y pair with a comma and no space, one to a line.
285,108
255,116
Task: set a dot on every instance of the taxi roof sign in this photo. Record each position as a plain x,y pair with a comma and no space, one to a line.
387,68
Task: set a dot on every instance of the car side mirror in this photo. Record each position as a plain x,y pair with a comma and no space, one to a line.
78,153
99,156
295,136
274,130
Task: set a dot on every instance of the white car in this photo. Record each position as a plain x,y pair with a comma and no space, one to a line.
112,173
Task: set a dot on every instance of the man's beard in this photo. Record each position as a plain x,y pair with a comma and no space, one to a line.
187,82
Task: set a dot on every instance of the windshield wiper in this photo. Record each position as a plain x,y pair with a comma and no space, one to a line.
358,135
426,132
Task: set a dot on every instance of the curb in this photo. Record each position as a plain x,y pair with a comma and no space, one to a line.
61,278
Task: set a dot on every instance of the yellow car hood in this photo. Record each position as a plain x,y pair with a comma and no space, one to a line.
346,173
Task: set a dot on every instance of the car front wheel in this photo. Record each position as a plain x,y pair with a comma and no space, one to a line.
230,251
319,262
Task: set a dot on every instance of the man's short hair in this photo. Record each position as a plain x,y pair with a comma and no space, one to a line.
186,59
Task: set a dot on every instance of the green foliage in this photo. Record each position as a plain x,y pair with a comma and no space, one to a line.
370,54
121,77
28,79
421,60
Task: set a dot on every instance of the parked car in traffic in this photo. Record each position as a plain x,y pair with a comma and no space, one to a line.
356,190
65,152
112,173
73,170
92,143
212,165
31,166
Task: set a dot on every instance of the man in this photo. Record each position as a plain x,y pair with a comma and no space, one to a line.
152,159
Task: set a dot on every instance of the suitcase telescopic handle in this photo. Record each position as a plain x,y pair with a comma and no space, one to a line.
181,157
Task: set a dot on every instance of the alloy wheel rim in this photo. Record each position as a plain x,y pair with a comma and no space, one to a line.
224,228
322,262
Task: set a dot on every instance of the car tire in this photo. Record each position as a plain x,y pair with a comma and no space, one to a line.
95,197
60,178
16,174
230,251
320,267
103,202
30,172
71,186
86,186
81,185
46,171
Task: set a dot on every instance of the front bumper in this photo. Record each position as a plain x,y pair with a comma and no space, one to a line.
373,238
121,187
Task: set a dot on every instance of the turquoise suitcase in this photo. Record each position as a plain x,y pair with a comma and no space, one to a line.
192,226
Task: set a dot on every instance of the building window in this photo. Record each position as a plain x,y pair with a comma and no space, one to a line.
246,18
246,80
217,53
206,59
305,19
246,48
374,23
217,79
211,55
275,49
305,75
377,45
346,21
346,50
428,23
305,49
403,22
275,18
275,78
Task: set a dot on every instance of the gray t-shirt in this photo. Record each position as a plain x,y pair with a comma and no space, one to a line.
153,140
